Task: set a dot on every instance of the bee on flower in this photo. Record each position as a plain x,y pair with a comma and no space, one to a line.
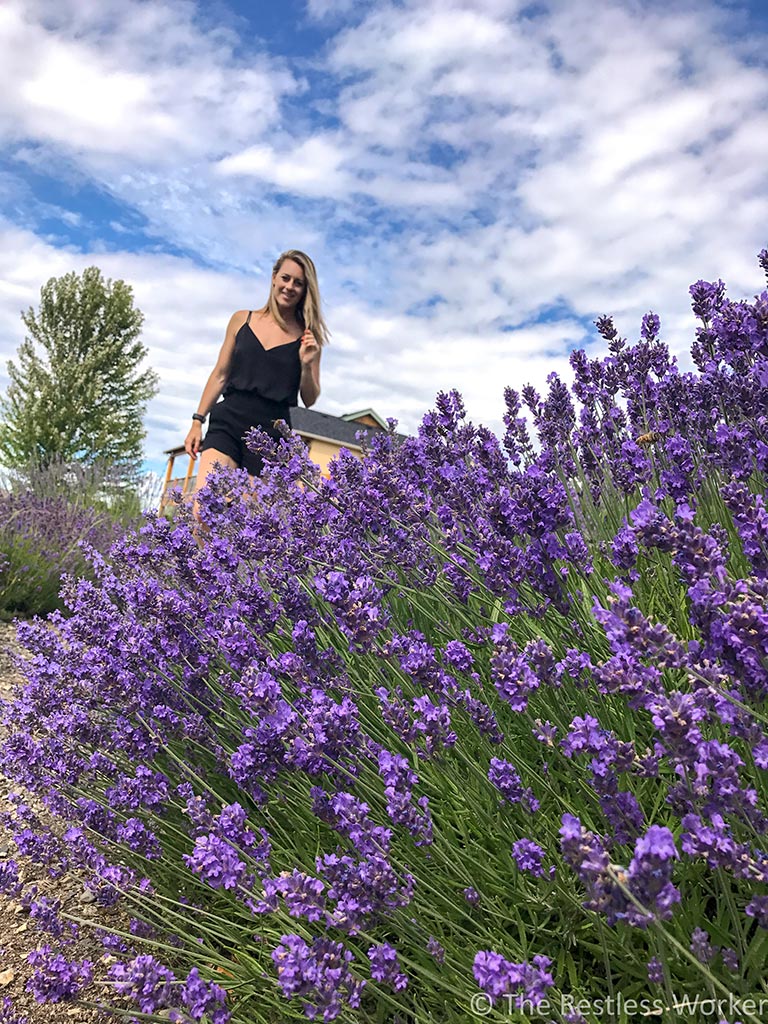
650,438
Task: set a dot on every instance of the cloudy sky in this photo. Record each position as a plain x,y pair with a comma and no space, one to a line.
476,181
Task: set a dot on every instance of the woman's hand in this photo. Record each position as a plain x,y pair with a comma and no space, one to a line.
309,351
193,439
309,354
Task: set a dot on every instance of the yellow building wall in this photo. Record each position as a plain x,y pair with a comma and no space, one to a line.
321,453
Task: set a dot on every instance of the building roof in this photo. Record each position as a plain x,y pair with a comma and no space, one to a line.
324,427
351,416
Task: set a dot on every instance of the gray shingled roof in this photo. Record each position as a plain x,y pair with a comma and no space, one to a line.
332,428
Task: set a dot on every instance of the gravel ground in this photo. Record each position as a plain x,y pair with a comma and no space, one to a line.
18,934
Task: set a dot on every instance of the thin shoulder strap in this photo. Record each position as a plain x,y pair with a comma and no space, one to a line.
248,318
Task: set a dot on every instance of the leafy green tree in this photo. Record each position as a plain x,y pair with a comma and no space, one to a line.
78,391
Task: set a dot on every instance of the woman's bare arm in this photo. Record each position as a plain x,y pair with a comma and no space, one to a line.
216,381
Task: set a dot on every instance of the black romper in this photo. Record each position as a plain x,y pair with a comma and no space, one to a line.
262,386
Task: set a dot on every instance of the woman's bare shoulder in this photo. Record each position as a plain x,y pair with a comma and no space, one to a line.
237,320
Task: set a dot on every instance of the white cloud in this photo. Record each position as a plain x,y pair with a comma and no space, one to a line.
313,167
131,79
334,10
637,163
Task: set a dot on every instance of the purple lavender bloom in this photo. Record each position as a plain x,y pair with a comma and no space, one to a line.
45,913
649,876
135,834
650,327
512,676
216,862
585,734
483,717
145,981
624,549
142,929
497,976
751,519
146,789
395,770
516,441
8,1015
471,895
113,943
606,328
433,725
623,813
730,959
707,298
632,468
328,736
55,978
319,974
417,658
385,966
545,732
436,950
458,656
302,895
232,825
200,998
575,666
358,606
505,778
363,889
652,527
529,857
42,846
9,878
587,855
678,480
351,817
758,908
655,971
713,841
701,947
399,779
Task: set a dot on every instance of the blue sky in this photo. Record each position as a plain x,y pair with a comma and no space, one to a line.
475,181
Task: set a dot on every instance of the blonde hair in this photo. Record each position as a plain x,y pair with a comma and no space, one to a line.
308,312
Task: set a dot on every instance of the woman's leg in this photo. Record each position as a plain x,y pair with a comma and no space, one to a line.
209,459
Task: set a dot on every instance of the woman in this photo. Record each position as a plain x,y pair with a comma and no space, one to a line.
269,357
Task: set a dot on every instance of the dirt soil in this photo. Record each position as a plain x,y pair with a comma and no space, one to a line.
19,934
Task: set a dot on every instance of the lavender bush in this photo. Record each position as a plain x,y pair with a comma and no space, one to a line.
49,520
476,727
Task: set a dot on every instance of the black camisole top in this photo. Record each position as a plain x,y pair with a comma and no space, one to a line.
273,373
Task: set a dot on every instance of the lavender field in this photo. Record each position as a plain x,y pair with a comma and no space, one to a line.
474,729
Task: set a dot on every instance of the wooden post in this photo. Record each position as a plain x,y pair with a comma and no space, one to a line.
190,467
164,492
